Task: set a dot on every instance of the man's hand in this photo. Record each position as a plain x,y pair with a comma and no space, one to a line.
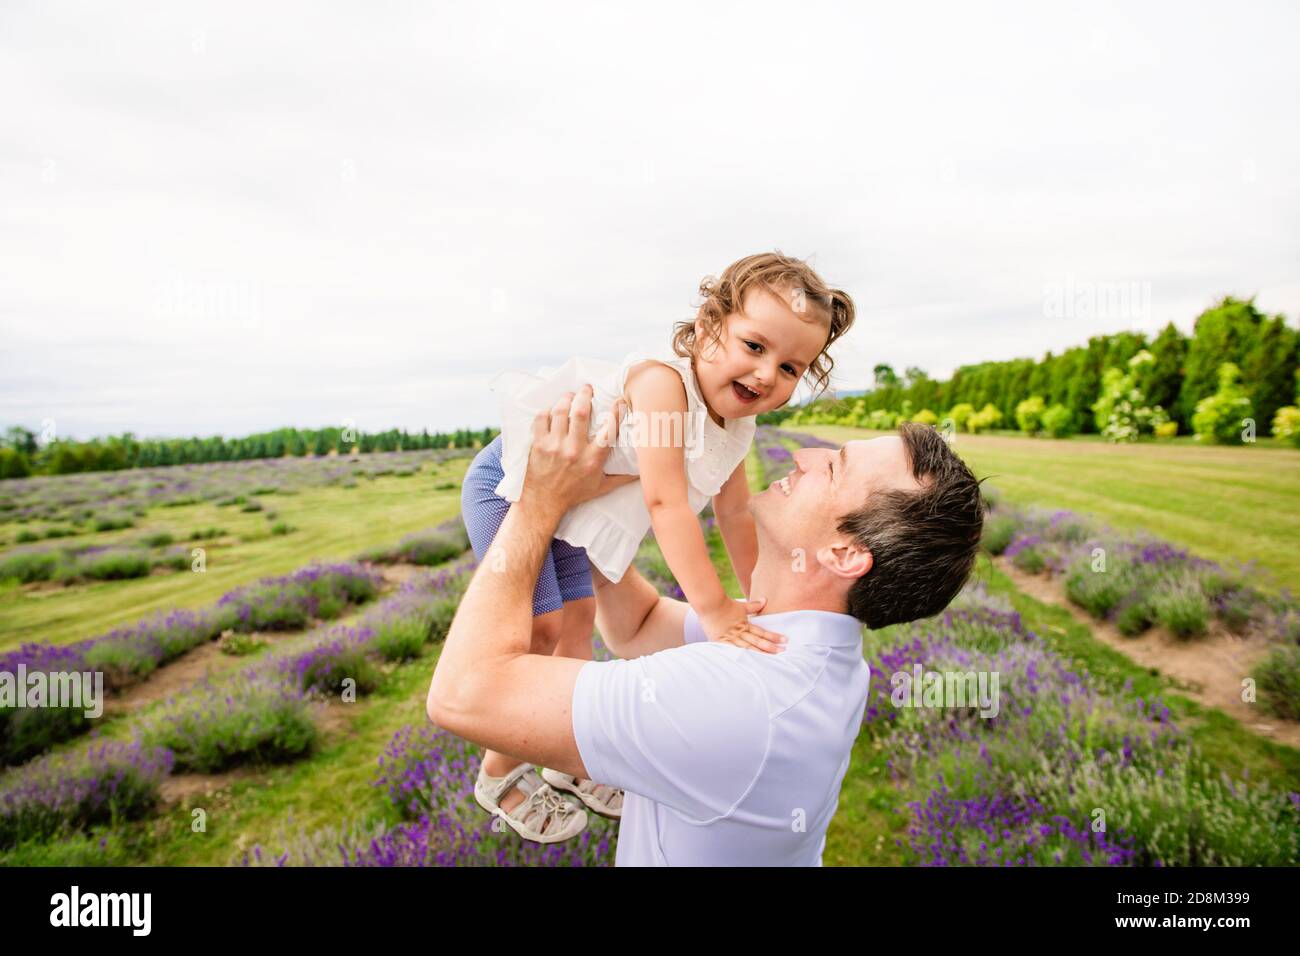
565,466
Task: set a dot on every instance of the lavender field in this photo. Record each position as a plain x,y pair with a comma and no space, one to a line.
280,721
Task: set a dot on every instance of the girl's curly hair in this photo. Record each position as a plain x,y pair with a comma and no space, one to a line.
723,296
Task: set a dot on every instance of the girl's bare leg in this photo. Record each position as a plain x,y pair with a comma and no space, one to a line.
575,629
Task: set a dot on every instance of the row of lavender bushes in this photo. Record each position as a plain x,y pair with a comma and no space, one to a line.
1136,581
95,500
263,713
74,564
433,546
129,654
1030,785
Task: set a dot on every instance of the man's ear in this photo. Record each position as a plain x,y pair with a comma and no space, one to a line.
845,560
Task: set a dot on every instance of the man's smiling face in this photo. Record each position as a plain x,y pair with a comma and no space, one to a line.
803,508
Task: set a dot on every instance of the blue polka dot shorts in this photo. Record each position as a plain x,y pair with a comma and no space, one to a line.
565,575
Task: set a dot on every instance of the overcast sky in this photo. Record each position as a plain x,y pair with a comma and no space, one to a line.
218,218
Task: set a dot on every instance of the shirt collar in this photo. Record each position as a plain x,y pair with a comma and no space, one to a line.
813,627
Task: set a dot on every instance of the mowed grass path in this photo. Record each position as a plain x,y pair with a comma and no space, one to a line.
331,524
1230,504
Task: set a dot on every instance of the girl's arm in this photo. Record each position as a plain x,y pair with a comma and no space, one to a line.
731,508
656,394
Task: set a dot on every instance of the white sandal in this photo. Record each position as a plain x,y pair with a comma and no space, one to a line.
600,797
543,816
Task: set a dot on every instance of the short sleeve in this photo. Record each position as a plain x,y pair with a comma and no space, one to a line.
687,727
694,630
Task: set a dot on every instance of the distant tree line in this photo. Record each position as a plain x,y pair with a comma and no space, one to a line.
1182,371
22,453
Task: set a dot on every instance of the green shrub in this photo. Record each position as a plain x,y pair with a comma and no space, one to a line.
960,414
1134,617
241,645
986,418
1278,677
1220,418
123,663
1097,592
1121,410
257,719
1166,430
108,783
115,565
926,417
26,537
29,566
1029,415
1030,560
1286,425
1181,606
401,638
328,672
444,610
159,539
997,534
251,506
1188,815
281,527
1058,421
28,731
113,523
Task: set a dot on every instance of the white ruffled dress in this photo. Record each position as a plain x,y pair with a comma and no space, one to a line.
613,526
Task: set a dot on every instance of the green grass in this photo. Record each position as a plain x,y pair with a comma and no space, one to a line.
1230,504
329,524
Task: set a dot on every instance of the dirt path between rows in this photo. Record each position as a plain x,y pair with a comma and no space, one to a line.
1209,669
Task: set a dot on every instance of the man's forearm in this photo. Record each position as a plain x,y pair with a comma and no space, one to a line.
494,619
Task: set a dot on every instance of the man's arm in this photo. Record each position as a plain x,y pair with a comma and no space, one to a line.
731,507
487,687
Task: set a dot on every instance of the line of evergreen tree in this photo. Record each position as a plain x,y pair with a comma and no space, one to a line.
22,454
1185,370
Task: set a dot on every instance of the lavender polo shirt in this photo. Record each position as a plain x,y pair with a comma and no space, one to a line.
728,756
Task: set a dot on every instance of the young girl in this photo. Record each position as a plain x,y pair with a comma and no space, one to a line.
764,325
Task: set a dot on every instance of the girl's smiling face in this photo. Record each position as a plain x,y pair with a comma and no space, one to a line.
764,351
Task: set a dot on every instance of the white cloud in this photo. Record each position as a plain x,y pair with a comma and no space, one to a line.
229,216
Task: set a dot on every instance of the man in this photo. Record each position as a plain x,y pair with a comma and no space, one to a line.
727,756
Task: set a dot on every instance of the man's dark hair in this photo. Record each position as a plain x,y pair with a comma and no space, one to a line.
923,543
